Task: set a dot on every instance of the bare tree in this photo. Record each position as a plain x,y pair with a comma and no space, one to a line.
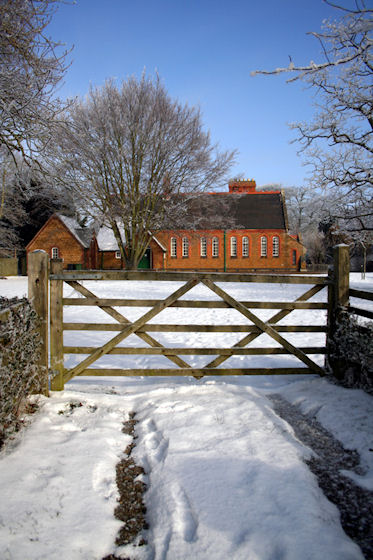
28,201
338,143
30,69
131,153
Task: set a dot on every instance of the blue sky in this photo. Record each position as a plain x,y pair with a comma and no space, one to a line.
204,52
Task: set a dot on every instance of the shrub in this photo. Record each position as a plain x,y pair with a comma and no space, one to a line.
352,351
19,373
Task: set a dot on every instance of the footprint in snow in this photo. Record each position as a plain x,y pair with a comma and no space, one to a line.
184,519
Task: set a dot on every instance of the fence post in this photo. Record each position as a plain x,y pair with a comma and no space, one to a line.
56,332
38,277
338,298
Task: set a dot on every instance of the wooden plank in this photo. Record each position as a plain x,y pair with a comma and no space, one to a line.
56,332
186,276
195,372
192,328
128,350
264,326
341,274
208,304
361,294
122,320
274,319
360,312
128,330
38,289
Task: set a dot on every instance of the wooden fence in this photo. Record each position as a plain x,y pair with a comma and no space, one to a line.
40,277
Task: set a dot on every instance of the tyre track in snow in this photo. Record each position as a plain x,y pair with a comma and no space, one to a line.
329,464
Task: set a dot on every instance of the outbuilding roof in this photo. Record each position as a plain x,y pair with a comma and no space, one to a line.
83,235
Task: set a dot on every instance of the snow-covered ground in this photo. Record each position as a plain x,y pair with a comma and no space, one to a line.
226,476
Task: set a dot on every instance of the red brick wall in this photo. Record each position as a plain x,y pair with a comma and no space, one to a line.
107,260
253,262
55,234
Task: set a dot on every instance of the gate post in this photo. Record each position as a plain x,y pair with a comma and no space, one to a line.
38,277
338,298
56,332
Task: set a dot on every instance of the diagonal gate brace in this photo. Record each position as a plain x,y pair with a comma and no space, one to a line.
123,321
127,331
272,320
263,326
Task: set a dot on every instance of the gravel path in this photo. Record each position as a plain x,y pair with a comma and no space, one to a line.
354,503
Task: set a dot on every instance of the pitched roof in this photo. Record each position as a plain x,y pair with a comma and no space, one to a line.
83,235
234,211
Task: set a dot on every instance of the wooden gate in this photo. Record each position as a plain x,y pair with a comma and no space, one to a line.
178,356
40,277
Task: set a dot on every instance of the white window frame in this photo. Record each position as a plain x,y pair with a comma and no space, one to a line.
203,247
263,246
118,255
245,246
173,247
185,247
215,247
275,246
55,253
233,246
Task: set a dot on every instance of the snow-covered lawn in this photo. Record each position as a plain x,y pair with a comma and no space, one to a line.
226,476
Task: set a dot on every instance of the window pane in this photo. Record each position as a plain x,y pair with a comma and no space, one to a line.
173,247
185,247
233,246
263,246
215,247
275,246
245,246
203,247
54,252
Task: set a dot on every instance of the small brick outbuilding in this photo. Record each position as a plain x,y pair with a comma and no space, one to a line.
62,237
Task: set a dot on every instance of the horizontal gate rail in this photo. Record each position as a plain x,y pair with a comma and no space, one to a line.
185,276
261,351
360,294
192,328
196,372
206,304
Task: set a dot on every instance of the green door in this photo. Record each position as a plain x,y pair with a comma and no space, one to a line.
145,261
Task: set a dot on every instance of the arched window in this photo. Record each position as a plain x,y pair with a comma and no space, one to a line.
275,246
173,247
203,247
185,247
245,246
215,247
263,246
233,246
55,253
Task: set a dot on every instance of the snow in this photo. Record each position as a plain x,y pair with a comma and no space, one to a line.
225,474
106,240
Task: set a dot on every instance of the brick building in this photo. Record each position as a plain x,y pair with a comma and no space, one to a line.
239,230
63,238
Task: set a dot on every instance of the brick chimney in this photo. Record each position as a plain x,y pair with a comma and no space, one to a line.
242,186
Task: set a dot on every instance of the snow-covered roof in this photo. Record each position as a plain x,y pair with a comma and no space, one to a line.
83,235
106,239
